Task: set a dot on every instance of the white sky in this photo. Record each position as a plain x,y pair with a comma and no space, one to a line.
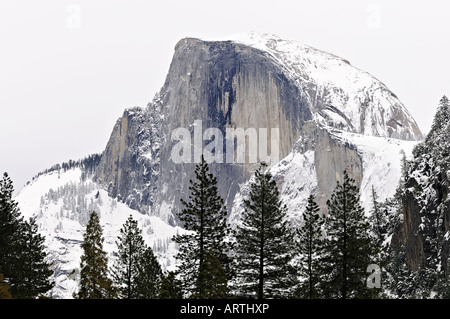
68,69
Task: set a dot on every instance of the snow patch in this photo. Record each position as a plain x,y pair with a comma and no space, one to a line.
382,163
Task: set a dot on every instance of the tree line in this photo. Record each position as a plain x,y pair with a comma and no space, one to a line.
136,273
87,164
263,257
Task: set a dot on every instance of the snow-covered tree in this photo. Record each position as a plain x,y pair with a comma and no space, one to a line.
425,185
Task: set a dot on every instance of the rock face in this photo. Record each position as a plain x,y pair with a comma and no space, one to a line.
252,82
422,241
331,158
425,231
130,163
409,234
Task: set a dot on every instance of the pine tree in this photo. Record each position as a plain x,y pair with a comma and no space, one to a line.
10,229
22,254
149,276
34,280
377,219
309,248
171,287
424,279
425,179
204,216
348,249
264,241
131,247
212,279
398,283
442,288
441,119
94,280
392,253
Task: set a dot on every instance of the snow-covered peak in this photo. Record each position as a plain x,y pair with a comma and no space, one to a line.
317,64
339,94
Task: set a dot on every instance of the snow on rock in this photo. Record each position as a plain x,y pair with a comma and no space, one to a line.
298,179
344,96
382,160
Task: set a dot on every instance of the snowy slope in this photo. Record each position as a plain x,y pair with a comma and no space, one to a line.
296,173
61,204
382,158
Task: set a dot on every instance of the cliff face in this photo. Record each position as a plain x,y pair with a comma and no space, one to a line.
265,83
225,85
425,205
331,158
426,218
130,162
409,234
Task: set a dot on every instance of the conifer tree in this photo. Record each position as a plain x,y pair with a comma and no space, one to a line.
348,248
440,120
399,280
94,280
204,216
10,229
391,252
309,248
377,219
149,277
171,287
34,280
264,241
212,279
442,288
22,254
131,247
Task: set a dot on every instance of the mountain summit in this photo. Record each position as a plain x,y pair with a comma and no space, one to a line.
252,81
337,93
329,116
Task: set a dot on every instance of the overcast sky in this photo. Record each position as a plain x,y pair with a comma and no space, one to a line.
68,69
